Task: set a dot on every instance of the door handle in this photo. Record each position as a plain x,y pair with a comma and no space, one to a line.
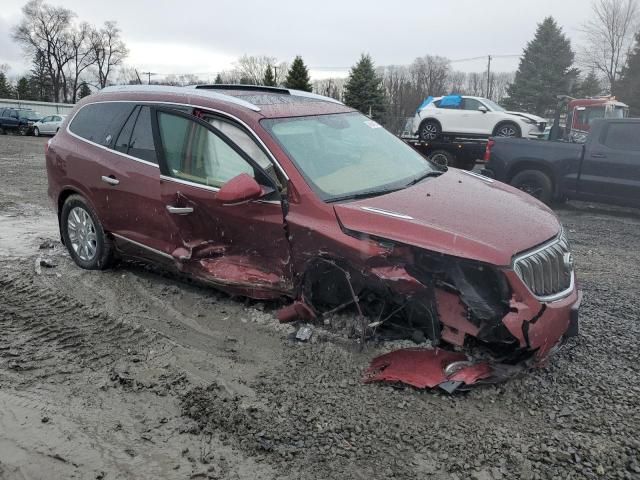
111,180
179,210
598,155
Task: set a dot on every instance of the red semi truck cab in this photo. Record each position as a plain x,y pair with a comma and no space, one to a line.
582,112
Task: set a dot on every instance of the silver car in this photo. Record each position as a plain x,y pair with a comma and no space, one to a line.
48,125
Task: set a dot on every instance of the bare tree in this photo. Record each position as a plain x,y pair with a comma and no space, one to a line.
429,74
81,55
330,87
609,35
251,69
109,51
44,32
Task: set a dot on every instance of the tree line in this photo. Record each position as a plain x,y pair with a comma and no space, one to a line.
71,58
68,57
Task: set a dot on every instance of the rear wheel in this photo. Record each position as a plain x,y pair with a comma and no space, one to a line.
443,158
2,131
429,131
84,236
507,129
535,183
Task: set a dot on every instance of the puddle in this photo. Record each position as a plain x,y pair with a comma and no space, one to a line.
20,235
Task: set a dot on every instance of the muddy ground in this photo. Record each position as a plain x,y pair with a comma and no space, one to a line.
132,373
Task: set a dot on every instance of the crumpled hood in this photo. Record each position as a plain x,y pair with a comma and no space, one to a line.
534,118
457,213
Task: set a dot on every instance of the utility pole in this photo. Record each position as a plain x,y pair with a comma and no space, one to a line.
489,77
148,74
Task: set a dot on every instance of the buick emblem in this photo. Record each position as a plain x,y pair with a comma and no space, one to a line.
568,261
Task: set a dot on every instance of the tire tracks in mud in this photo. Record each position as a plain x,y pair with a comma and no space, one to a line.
44,332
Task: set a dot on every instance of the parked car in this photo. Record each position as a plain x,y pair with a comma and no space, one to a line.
276,193
48,125
604,169
18,120
464,116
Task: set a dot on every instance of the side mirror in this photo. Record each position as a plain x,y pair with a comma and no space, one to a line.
240,189
483,109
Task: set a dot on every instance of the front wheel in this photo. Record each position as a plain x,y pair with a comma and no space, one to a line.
36,132
84,236
508,129
535,183
23,131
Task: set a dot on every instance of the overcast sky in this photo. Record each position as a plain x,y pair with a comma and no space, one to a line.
205,37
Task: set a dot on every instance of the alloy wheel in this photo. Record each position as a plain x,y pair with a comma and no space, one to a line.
507,131
82,234
429,131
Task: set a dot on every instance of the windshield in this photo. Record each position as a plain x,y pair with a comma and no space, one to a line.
28,114
348,155
493,105
615,112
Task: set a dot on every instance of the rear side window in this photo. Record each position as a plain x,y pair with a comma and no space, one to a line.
623,136
100,122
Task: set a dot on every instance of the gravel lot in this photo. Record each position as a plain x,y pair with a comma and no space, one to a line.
131,373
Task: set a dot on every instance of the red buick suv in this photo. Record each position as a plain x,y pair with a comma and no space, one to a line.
275,193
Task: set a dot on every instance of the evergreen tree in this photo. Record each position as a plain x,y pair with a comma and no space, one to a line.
544,72
590,86
269,78
298,76
628,88
364,90
5,87
85,91
218,79
23,89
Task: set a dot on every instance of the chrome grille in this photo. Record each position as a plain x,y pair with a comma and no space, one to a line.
548,270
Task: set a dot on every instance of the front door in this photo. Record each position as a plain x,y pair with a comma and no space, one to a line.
611,165
242,248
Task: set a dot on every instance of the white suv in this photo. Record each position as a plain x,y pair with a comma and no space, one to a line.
457,115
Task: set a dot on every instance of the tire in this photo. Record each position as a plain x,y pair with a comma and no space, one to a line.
429,131
22,131
2,131
535,183
36,132
507,129
87,243
443,158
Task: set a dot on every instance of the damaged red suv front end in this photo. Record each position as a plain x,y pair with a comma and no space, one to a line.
272,194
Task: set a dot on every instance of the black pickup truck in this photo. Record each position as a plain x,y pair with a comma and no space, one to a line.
18,120
606,168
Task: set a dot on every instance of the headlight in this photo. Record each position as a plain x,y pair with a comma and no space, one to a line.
30,124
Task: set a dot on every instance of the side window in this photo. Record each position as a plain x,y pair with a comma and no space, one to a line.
122,142
100,122
471,104
141,144
623,136
56,119
194,153
248,145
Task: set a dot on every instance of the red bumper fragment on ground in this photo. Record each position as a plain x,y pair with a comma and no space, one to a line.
422,368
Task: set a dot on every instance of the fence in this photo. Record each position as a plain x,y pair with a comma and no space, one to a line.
45,108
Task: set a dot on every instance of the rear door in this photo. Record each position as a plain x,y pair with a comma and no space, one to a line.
241,247
611,166
45,125
117,167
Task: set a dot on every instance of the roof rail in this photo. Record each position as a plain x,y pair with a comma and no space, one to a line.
208,94
263,88
250,88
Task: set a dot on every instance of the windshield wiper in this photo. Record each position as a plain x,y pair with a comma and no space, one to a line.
361,195
430,173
